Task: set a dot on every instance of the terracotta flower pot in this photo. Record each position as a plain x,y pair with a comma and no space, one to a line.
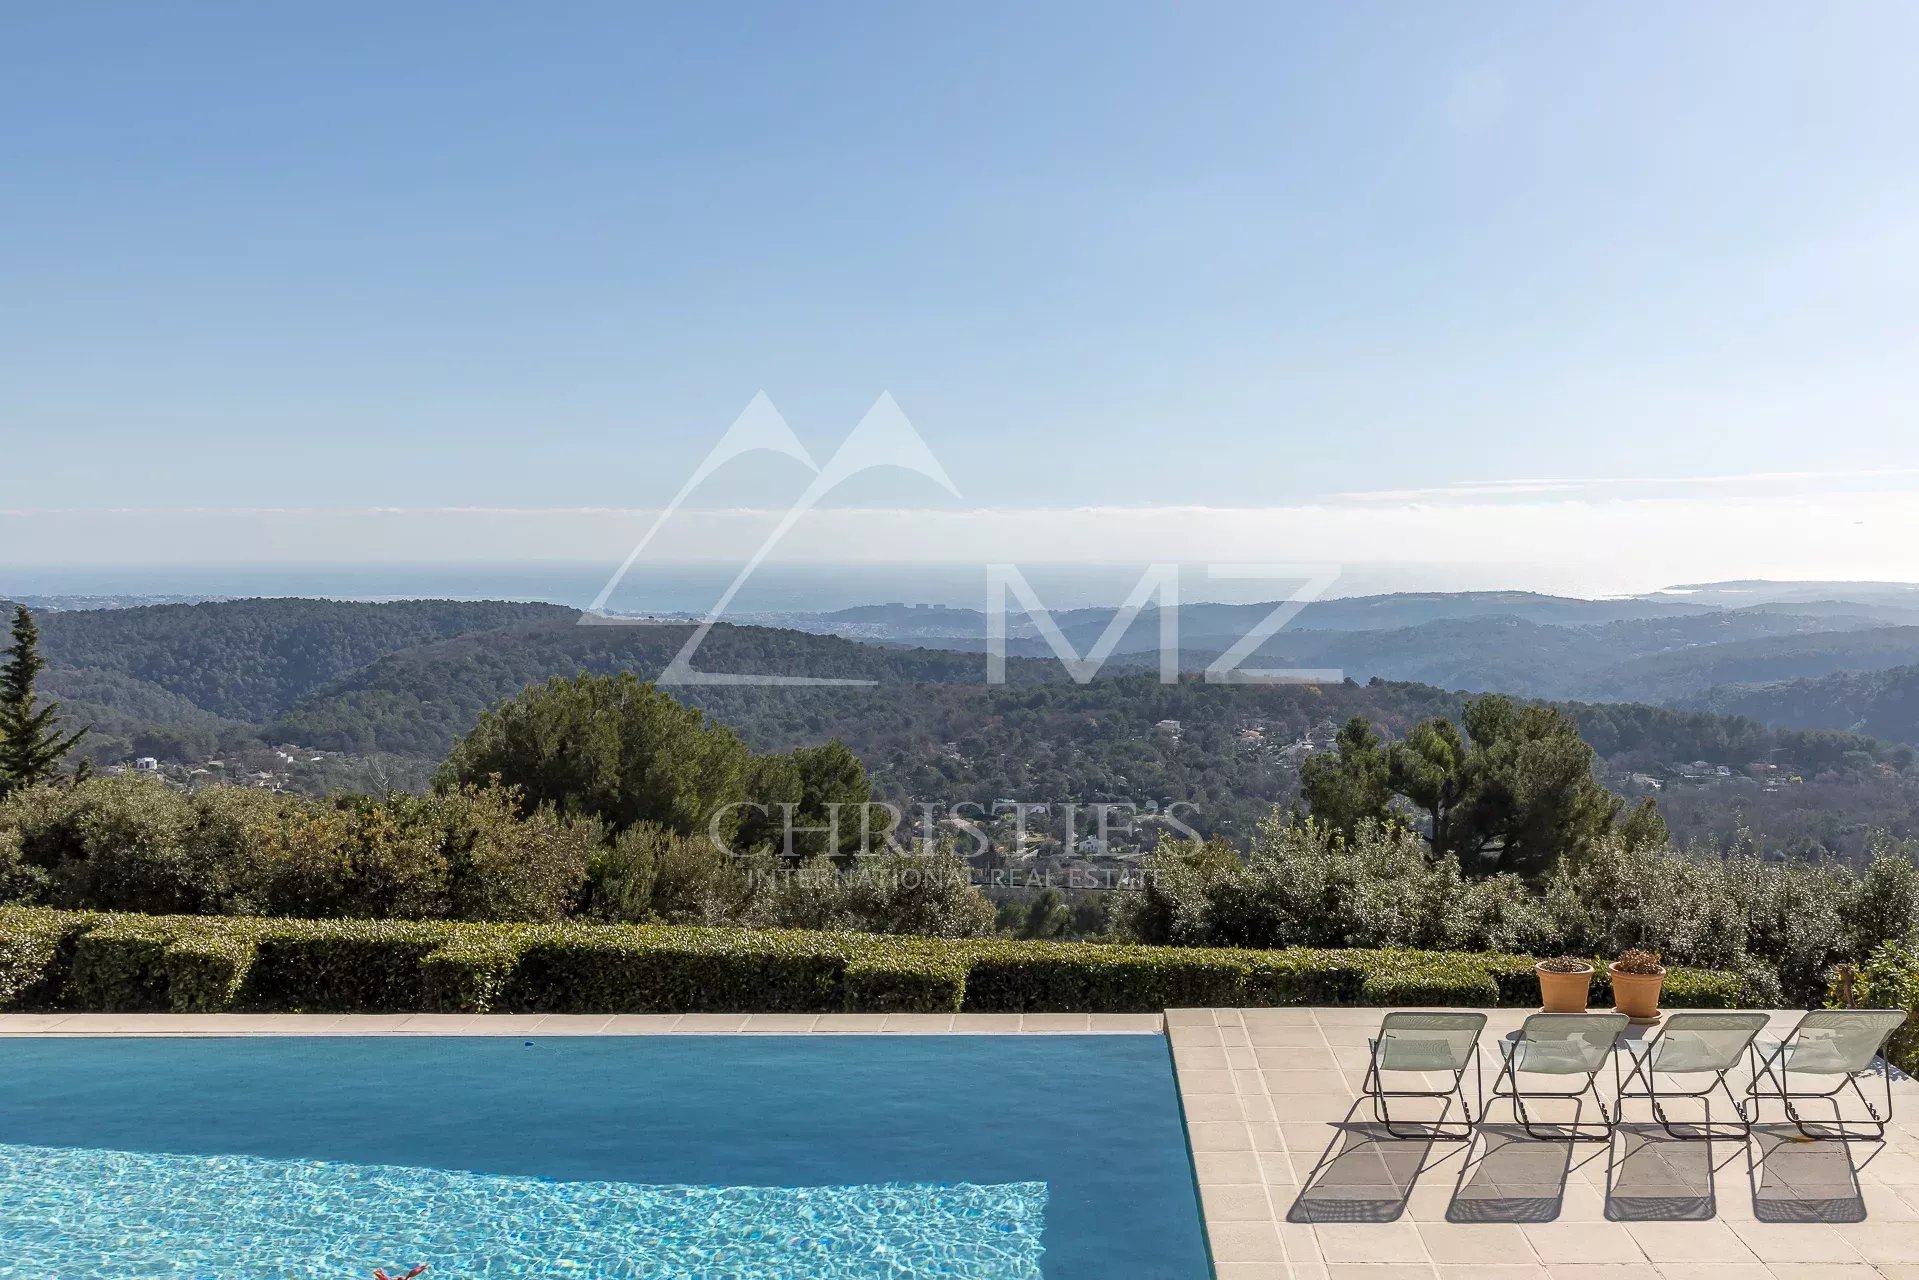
1637,995
1564,992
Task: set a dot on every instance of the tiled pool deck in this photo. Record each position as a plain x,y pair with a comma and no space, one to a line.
1297,1183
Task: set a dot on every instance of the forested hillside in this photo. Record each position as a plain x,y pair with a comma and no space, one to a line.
376,694
1884,704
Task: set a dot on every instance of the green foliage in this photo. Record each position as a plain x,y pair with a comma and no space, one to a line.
201,964
612,749
1511,800
1781,925
31,743
906,980
1888,980
36,954
923,896
1352,786
133,844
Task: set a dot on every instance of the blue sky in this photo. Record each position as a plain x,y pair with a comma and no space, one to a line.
1255,257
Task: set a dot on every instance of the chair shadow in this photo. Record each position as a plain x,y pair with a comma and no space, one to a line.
1799,1179
1511,1177
1364,1175
1652,1176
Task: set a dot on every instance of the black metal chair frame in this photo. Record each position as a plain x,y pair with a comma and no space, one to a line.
1573,1131
1840,1130
1642,1068
1375,1088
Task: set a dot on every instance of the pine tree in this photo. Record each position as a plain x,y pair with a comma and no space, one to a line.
31,745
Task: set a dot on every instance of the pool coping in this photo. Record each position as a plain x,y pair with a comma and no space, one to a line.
574,1024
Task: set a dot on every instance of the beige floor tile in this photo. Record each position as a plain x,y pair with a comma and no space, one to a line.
918,1024
1466,1243
640,1024
782,1023
1370,1242
1283,1035
1225,1167
1882,1242
1292,1057
1254,1271
1239,1202
1245,1242
1381,1271
585,1024
1189,1018
974,1024
1199,1081
1665,1242
1130,1022
1198,1057
438,1023
1056,1022
1305,1083
871,1023
506,1024
1794,1241
709,1023
1212,1106
1188,1036
1582,1242
1830,1271
26,1024
1218,1135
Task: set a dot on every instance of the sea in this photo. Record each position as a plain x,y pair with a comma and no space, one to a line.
694,588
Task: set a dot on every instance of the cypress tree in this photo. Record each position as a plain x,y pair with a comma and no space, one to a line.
31,744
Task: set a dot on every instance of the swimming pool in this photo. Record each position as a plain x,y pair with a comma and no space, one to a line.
1018,1157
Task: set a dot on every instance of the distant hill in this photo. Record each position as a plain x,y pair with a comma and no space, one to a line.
1680,676
378,693
246,659
1884,704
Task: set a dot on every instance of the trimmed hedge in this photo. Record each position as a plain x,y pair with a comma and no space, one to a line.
193,964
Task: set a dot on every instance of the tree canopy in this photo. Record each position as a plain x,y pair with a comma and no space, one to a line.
32,744
1513,792
621,751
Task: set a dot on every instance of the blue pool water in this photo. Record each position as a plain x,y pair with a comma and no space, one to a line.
774,1158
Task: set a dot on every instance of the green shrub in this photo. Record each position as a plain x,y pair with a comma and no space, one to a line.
337,966
207,969
905,981
1427,978
469,970
36,955
1890,980
666,969
51,959
120,964
1023,977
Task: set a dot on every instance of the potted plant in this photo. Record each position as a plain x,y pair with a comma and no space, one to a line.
1636,978
1563,984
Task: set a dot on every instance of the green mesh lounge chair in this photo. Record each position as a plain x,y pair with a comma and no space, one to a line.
1569,1045
1427,1043
1693,1044
1828,1043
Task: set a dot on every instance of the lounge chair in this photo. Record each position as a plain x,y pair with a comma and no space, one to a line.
1828,1042
1561,1044
1435,1043
1693,1043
